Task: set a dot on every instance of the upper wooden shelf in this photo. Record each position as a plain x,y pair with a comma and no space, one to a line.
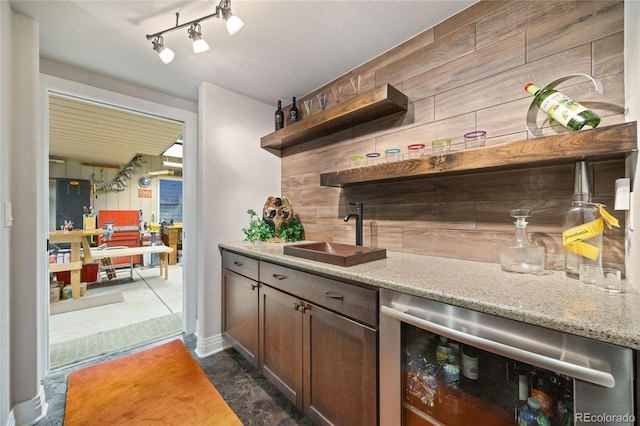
597,144
379,102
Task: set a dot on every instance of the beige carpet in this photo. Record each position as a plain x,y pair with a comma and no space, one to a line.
159,386
85,302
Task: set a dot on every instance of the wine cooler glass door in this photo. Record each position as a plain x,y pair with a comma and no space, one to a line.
445,365
447,382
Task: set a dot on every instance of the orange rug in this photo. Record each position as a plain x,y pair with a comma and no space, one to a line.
159,386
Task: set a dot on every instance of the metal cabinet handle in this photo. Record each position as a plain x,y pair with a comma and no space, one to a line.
576,371
304,307
296,306
334,295
254,286
237,263
279,277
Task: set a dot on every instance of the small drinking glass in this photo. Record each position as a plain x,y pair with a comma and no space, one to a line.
610,280
355,83
475,139
337,93
322,100
392,154
373,158
416,150
356,161
590,274
308,105
440,146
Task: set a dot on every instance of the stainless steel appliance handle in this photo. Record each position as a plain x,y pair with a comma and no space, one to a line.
580,372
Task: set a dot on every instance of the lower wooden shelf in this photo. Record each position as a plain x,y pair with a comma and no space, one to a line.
603,143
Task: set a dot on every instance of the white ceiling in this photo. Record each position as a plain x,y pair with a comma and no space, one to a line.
286,48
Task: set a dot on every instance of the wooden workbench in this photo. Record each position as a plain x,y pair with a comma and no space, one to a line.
77,239
111,252
172,237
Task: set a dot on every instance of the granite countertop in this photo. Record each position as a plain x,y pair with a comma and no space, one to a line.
552,300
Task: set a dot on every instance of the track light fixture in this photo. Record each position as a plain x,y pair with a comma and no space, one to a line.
223,11
199,45
166,54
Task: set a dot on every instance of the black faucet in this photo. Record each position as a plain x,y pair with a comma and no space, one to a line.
358,216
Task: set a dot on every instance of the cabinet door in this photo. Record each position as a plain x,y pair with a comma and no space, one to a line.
340,369
281,342
240,314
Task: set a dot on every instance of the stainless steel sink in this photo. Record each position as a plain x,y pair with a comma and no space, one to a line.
335,253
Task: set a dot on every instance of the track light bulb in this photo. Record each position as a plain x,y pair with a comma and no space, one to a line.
199,45
233,22
166,54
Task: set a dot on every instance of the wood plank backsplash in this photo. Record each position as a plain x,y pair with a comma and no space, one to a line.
468,73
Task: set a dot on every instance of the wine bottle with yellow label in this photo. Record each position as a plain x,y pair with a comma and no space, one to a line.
569,113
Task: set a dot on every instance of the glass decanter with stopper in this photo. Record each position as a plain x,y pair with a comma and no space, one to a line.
521,255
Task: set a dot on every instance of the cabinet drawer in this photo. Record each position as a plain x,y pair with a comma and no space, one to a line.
240,264
352,301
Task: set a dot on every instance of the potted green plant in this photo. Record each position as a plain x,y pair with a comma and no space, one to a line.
260,230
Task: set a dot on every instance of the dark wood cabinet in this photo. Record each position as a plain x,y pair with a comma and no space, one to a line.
323,362
281,342
314,338
321,359
339,369
240,306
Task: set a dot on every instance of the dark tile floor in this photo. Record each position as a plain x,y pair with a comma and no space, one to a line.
254,400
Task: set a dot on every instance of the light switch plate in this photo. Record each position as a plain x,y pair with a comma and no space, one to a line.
623,190
8,217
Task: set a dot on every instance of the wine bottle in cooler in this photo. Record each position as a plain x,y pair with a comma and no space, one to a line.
569,113
279,116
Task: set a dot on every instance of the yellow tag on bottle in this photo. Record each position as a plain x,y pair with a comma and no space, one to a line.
609,219
573,238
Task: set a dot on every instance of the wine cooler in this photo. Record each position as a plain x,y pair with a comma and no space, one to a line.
445,365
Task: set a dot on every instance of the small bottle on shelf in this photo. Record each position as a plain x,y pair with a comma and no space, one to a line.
293,112
569,113
279,116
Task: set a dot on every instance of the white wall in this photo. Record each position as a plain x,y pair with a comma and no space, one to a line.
5,196
632,101
236,175
28,273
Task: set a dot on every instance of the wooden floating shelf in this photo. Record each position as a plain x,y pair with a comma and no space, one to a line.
371,105
604,143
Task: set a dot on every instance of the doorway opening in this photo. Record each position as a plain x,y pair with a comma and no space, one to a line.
125,299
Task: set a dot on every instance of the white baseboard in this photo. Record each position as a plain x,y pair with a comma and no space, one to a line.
30,412
207,346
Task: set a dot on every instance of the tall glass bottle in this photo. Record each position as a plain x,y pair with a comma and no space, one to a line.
279,116
583,226
293,112
521,255
569,113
